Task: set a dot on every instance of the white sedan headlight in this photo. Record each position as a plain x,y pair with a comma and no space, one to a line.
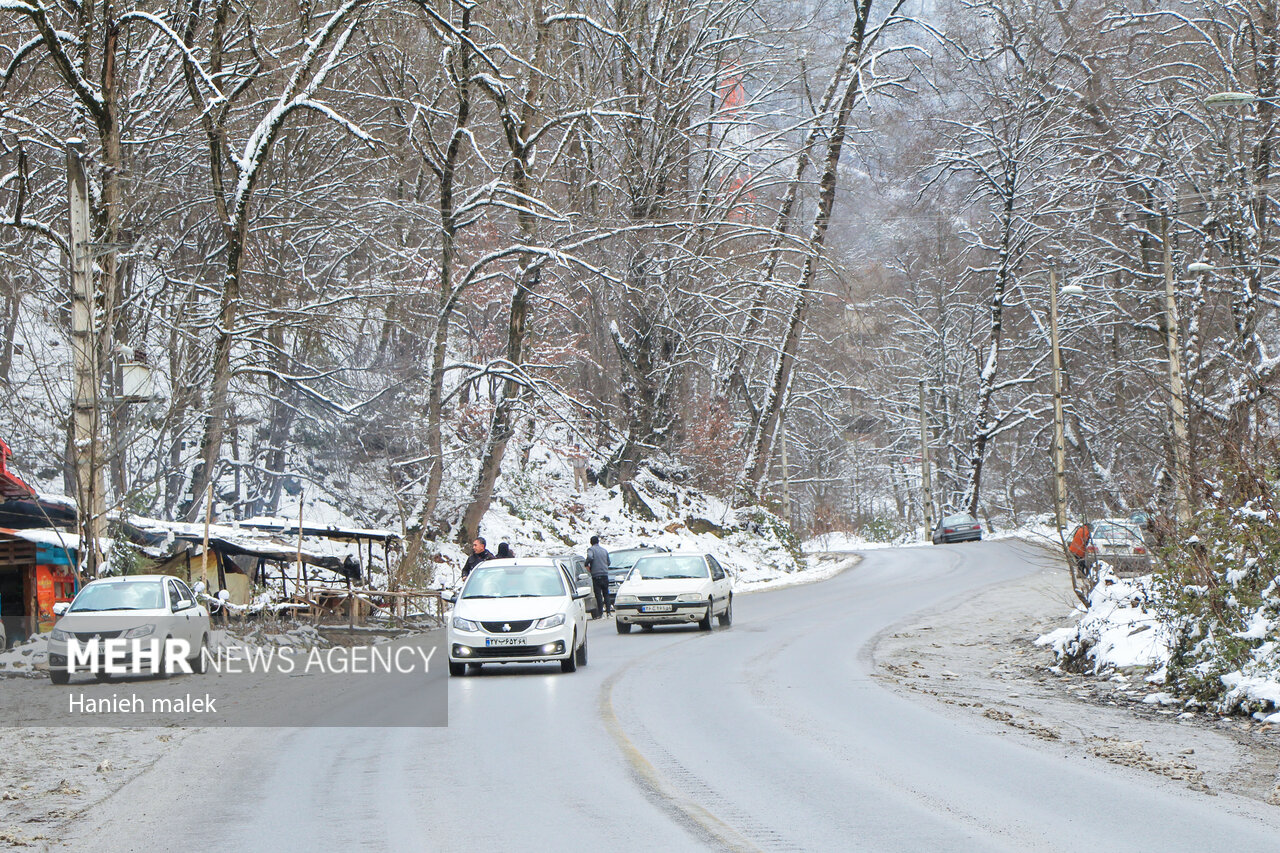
626,599
140,631
550,621
690,596
465,624
59,635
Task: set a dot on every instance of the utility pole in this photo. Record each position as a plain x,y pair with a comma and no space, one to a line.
84,348
926,473
1059,443
1177,396
786,483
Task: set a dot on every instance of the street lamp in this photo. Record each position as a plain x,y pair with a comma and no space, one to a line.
1059,442
1222,100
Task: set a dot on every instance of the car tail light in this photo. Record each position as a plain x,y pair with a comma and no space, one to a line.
1092,549
976,527
1138,549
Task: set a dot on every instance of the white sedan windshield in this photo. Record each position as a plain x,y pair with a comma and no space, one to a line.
660,568
514,582
129,595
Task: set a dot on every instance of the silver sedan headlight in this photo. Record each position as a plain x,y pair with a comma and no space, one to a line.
140,631
550,622
627,599
465,624
690,596
59,635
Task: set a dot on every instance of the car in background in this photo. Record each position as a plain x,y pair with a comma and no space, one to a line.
576,565
674,589
960,527
134,607
523,610
1118,542
621,561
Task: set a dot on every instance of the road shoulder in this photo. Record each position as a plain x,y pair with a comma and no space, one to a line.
977,656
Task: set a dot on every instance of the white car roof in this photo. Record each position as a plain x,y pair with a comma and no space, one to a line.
133,578
676,554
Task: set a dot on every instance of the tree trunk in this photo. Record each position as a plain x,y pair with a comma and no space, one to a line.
504,413
757,462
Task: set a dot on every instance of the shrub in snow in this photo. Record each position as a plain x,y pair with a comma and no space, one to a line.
1120,629
1218,596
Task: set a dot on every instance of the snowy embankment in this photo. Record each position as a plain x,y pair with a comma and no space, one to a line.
1120,630
538,511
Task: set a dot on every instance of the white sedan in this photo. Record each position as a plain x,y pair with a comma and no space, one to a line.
518,611
121,620
674,589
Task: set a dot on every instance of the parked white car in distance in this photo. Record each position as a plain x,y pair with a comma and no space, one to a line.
133,607
674,589
526,610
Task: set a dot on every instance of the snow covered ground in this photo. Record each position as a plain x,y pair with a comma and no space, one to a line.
1119,632
540,512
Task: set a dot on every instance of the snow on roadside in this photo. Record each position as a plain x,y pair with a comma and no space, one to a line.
1119,630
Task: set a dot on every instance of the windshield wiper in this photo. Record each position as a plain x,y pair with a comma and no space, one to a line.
479,596
119,608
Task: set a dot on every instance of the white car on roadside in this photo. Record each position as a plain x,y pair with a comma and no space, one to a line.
129,613
674,589
526,610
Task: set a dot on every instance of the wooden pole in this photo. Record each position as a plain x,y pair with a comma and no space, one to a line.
1059,442
301,578
84,351
204,553
1177,396
926,470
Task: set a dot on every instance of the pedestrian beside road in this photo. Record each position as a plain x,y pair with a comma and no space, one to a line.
504,552
479,553
578,458
1079,549
598,566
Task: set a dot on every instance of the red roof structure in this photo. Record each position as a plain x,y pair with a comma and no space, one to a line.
11,485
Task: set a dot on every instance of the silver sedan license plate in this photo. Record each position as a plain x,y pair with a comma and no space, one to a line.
504,641
656,608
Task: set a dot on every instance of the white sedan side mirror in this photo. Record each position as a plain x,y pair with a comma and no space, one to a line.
61,607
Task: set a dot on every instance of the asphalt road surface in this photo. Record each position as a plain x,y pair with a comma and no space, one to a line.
770,735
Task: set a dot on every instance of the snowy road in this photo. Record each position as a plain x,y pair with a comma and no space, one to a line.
772,735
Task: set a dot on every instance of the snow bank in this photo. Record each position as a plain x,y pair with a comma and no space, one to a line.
1119,630
538,511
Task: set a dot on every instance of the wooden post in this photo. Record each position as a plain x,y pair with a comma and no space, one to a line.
204,554
84,351
301,578
1177,396
1059,443
351,605
926,473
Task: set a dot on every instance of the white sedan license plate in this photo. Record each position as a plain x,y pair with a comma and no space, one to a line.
504,641
656,608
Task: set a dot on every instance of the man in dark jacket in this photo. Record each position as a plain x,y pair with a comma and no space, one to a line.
479,553
598,565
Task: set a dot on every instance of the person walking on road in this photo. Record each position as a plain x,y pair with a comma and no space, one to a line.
598,565
479,553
